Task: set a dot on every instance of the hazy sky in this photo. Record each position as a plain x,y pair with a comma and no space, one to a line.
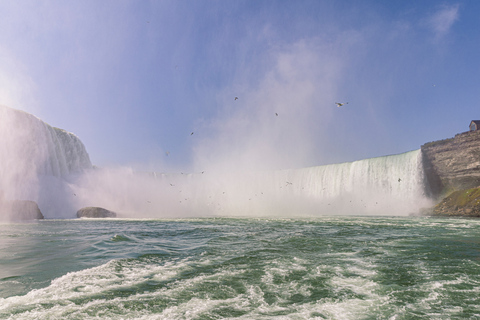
134,79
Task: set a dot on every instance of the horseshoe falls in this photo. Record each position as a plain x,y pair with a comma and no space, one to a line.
390,185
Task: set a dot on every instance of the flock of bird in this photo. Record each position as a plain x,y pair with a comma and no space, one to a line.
338,104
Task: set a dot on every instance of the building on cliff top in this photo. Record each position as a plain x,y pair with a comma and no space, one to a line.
475,125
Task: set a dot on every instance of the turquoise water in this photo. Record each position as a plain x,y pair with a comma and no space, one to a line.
324,268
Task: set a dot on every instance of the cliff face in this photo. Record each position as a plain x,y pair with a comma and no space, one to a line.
452,163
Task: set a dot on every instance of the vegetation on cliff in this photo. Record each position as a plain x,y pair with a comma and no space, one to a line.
460,203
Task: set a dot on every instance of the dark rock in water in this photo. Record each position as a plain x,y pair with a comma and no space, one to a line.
95,212
21,210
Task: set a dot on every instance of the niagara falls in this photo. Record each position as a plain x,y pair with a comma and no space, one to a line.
52,167
339,241
245,160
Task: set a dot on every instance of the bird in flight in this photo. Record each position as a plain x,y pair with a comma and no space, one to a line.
236,98
340,104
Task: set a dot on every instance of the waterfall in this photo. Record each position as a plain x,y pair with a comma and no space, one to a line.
390,185
382,185
396,175
31,145
36,158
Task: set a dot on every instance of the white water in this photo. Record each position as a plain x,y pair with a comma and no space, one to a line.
48,165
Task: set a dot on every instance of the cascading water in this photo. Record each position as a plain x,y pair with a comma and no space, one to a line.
43,149
36,158
393,184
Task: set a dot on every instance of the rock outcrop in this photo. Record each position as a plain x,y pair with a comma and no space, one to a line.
95,212
452,164
20,210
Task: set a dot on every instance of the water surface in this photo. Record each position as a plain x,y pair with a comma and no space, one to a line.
323,268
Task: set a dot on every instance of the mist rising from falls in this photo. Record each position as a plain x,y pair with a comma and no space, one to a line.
51,166
391,185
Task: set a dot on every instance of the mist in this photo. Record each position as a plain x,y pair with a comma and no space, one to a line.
279,120
391,185
258,156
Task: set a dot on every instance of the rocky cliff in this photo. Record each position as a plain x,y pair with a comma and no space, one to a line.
452,164
19,210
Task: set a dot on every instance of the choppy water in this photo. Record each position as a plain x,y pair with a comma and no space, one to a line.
325,268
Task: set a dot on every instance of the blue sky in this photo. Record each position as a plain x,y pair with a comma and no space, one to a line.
134,79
